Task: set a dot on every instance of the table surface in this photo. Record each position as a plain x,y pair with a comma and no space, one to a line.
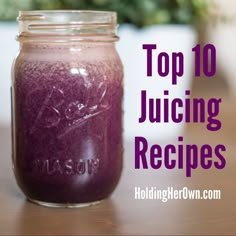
121,214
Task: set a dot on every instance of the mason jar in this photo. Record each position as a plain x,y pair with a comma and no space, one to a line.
67,107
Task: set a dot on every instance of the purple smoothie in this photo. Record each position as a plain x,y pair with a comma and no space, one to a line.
67,122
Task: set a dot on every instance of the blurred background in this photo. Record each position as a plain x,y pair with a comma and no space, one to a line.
176,25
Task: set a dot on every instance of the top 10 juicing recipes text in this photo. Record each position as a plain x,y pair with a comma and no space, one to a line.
179,110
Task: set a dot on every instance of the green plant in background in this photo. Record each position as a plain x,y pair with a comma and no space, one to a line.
9,8
138,12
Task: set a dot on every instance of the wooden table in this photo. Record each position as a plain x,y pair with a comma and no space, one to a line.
121,214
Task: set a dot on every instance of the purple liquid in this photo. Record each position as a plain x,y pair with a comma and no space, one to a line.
68,125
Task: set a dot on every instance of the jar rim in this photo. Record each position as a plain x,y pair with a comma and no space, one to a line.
68,22
69,16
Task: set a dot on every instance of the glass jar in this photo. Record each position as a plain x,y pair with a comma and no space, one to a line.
66,107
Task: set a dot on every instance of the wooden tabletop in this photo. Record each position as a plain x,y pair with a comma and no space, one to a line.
121,214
